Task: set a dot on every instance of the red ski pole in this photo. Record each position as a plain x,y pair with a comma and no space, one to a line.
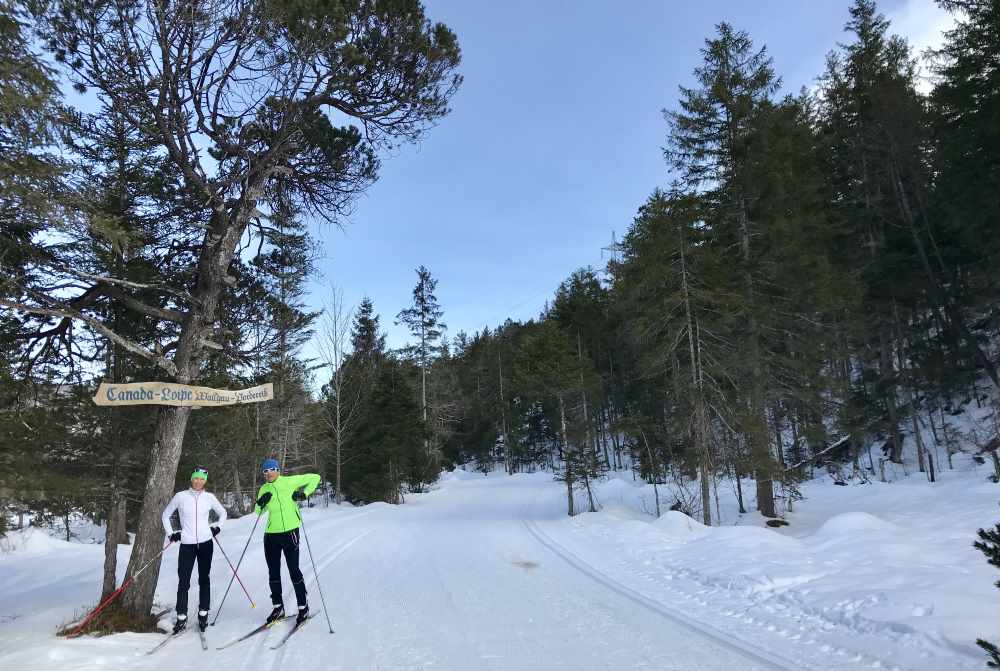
114,595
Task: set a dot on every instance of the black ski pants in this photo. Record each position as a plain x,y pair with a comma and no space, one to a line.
285,542
185,564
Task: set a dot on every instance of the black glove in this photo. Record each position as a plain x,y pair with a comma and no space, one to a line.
262,501
298,495
176,536
215,531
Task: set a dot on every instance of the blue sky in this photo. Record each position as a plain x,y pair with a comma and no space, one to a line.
553,143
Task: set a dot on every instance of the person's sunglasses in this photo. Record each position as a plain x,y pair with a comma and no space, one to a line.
270,470
201,468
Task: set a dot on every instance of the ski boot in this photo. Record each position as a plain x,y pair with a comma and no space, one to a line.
181,623
202,620
277,614
303,615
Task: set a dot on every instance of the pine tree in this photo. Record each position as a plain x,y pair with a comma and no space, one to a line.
231,131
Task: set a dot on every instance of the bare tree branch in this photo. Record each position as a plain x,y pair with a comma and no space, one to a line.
166,364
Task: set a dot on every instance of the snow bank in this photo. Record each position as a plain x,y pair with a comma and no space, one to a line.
881,567
459,474
30,542
852,524
680,527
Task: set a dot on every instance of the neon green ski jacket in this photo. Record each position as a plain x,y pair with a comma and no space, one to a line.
282,512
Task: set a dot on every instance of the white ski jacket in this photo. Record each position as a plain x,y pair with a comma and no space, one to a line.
192,507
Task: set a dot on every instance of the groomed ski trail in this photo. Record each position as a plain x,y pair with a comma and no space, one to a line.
468,577
251,658
486,573
751,653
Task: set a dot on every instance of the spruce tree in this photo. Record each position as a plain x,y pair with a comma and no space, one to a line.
580,308
386,447
665,280
423,319
29,170
989,545
552,375
347,397
284,267
710,147
966,132
912,334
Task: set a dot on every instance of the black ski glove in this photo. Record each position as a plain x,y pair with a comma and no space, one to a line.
298,495
262,501
215,531
176,536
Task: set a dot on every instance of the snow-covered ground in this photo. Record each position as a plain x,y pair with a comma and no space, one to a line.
489,573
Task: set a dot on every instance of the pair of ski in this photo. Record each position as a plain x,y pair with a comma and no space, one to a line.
170,637
267,625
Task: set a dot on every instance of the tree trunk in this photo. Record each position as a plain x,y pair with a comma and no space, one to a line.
760,448
508,457
567,458
121,532
910,383
887,373
698,388
112,537
238,502
656,471
338,457
218,248
739,489
166,454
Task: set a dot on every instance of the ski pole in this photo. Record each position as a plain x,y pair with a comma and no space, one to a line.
219,612
114,595
216,539
326,611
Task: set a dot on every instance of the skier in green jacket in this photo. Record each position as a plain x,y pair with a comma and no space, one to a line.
278,497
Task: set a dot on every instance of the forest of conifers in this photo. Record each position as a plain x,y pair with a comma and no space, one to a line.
815,279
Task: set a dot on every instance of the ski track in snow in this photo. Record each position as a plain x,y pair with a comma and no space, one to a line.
257,643
482,573
751,653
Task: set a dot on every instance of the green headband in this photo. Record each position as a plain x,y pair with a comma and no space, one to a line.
198,473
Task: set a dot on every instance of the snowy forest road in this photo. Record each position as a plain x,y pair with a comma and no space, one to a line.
481,573
466,579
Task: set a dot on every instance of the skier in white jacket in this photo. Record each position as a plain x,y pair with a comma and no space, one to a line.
192,506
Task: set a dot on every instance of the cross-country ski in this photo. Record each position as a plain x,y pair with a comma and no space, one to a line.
257,630
167,639
295,627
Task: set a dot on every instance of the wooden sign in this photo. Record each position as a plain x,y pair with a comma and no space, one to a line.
171,393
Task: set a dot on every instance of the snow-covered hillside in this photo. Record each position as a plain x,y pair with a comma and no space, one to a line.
488,573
